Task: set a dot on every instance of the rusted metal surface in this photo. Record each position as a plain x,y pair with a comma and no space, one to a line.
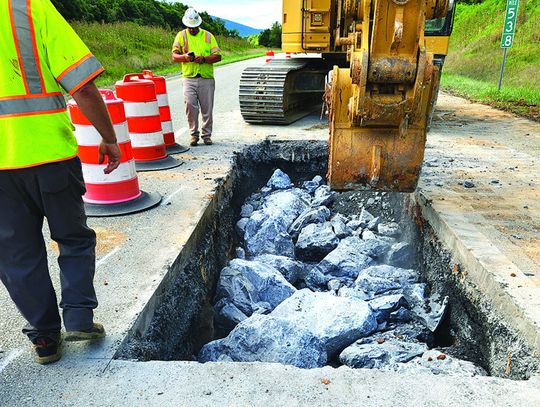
379,114
389,69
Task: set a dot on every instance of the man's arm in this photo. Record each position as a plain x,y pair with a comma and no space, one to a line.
178,57
211,59
91,103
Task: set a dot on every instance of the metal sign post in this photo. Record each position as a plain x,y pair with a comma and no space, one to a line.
509,29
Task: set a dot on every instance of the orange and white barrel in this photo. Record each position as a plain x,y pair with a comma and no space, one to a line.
269,55
106,194
287,55
164,112
144,123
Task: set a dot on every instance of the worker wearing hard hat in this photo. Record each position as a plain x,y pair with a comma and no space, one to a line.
40,174
197,51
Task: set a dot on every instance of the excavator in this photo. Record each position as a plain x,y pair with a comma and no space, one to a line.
377,64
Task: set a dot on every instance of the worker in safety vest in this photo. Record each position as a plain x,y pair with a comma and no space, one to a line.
40,174
197,50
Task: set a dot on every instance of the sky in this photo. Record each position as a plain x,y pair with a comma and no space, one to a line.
253,13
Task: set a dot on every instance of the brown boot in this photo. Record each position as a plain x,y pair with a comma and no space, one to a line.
194,141
207,141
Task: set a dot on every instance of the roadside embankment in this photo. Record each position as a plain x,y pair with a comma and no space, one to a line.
473,64
128,47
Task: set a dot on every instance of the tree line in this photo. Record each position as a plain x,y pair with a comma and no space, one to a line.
142,12
271,37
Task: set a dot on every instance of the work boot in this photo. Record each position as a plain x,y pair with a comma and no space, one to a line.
95,332
194,141
207,141
47,350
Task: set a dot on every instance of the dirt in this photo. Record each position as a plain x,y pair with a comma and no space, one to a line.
518,107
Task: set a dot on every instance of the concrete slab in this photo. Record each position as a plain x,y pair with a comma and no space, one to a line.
136,252
241,384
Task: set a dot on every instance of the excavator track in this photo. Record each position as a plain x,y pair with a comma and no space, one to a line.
281,91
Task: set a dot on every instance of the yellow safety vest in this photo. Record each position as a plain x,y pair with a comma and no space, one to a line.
203,44
40,55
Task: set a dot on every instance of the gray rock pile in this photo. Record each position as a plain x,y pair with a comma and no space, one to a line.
310,287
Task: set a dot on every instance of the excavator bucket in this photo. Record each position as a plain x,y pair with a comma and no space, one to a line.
383,158
376,159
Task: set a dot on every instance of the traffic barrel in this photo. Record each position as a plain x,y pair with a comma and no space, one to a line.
165,113
144,123
269,55
116,193
287,55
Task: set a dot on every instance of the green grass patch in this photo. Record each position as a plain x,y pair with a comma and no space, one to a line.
473,63
127,47
522,101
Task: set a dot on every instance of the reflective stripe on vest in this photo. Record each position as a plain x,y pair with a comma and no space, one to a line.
39,54
185,45
35,101
71,77
24,34
32,104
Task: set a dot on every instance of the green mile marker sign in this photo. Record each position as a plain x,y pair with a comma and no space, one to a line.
509,27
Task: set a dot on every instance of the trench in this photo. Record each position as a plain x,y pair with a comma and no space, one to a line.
179,319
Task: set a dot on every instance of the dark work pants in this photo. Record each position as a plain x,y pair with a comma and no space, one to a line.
27,196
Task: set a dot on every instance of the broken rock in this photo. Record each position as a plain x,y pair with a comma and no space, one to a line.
339,224
384,305
391,229
323,196
379,279
400,254
378,354
311,186
316,241
227,315
279,180
241,227
291,269
346,260
263,338
270,284
246,211
312,215
267,235
336,321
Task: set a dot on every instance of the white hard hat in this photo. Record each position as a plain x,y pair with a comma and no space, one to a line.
191,18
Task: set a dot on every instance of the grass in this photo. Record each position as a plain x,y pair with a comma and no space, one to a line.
474,60
127,47
522,101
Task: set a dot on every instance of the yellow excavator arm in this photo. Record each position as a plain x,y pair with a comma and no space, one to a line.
380,98
380,104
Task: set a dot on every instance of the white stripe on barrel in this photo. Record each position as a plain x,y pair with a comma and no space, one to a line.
163,99
141,109
89,136
146,139
93,173
167,127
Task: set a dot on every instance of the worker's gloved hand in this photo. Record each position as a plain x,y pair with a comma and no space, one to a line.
113,154
200,60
